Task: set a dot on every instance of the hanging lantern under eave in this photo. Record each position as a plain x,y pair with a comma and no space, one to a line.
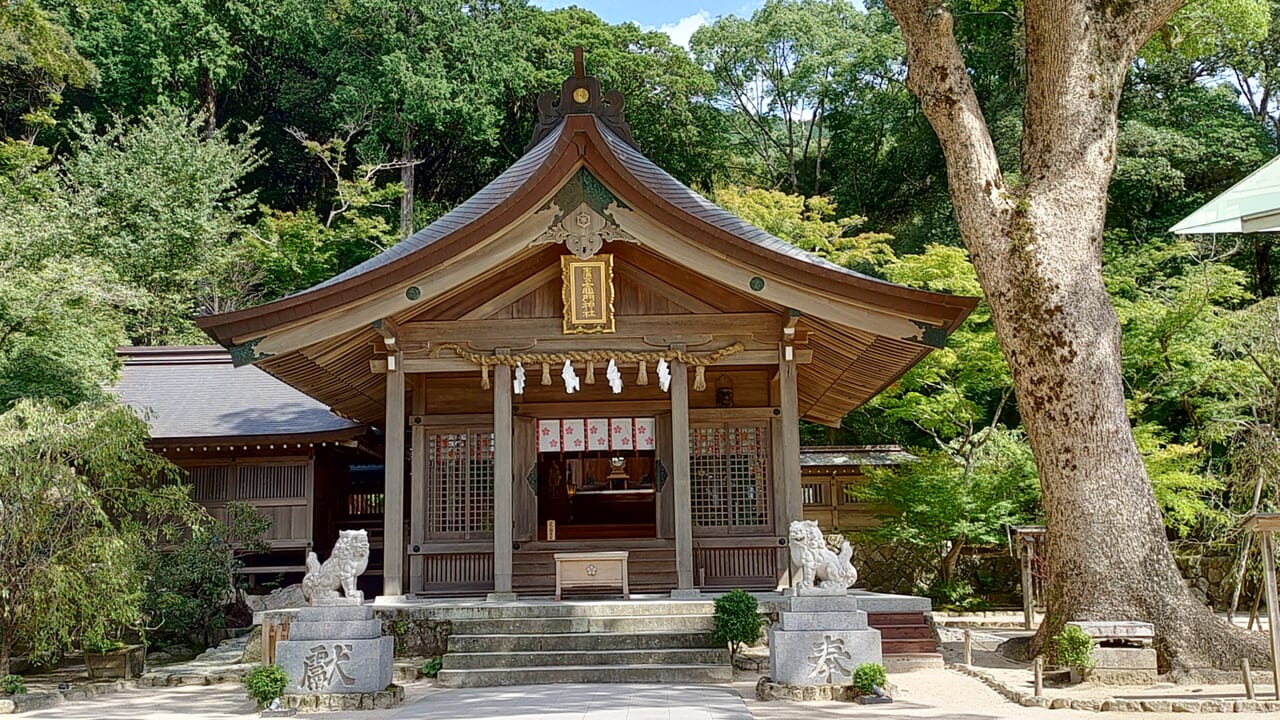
724,392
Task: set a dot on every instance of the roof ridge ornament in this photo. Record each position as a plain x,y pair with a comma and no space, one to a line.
580,94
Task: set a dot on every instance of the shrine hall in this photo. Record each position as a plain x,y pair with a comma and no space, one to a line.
587,355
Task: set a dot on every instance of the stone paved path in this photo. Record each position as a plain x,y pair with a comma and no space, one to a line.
926,695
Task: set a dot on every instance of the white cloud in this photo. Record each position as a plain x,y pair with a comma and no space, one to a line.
683,29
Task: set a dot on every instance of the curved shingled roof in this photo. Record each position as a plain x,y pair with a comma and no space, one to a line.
521,188
195,394
863,332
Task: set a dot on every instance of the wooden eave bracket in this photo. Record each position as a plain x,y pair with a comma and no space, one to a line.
389,331
789,326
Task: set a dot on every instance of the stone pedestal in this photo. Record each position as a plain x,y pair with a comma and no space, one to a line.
820,639
1123,654
336,649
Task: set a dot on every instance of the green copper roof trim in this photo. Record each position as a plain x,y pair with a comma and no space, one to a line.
246,354
585,188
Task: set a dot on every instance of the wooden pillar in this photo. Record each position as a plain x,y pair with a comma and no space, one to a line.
683,491
417,484
502,480
393,481
1026,551
789,484
1273,605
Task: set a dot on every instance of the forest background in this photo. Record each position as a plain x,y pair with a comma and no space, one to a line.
165,158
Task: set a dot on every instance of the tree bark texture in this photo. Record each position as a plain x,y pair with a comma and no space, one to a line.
406,179
1037,249
1262,266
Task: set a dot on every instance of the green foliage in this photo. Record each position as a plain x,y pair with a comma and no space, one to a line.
81,499
955,393
161,203
777,70
13,685
431,667
97,641
737,620
266,683
869,676
38,59
954,594
60,320
809,224
1073,648
1200,29
939,505
295,250
190,586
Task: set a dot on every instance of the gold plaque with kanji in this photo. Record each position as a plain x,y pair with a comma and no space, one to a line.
588,293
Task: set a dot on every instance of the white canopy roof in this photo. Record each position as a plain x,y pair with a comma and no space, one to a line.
1250,206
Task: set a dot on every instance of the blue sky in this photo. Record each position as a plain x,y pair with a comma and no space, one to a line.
678,18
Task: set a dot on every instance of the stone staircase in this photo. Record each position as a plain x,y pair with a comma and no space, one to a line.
903,633
635,642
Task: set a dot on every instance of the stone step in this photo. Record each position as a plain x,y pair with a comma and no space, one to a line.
577,641
899,647
587,674
543,659
570,608
905,632
880,619
590,624
910,662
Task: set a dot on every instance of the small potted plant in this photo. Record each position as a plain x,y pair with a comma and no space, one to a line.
265,684
109,658
13,685
869,681
1073,651
737,621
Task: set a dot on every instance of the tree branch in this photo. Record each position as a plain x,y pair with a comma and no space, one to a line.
937,75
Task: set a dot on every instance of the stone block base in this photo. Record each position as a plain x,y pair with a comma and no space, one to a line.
845,620
349,629
333,613
337,666
1124,666
821,657
381,700
767,689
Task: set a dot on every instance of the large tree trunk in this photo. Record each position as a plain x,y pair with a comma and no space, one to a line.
1037,248
406,179
1262,266
208,103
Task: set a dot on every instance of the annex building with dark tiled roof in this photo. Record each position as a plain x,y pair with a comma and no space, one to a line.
242,435
589,355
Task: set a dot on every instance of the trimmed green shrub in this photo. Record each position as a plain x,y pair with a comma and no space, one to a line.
737,620
266,683
13,685
432,666
1073,648
867,677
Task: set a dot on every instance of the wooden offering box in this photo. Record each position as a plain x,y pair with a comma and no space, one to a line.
592,569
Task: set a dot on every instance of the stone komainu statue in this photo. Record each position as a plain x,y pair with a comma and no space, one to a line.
820,566
349,558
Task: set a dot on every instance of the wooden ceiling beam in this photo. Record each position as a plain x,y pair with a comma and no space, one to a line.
453,365
763,324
